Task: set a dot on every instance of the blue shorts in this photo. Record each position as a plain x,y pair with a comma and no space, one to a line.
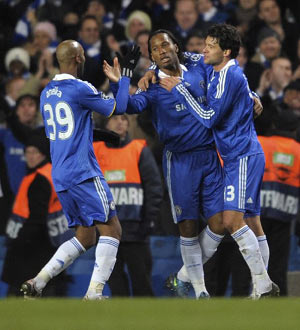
89,201
243,180
195,184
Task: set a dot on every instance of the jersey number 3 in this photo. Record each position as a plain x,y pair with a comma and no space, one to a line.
63,116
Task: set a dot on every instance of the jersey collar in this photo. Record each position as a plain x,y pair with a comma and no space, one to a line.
63,76
161,74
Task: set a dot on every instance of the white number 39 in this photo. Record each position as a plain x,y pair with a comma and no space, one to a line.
64,117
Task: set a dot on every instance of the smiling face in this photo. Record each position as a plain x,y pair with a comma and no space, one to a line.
164,52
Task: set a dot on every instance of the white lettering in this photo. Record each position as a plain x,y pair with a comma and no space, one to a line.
53,91
128,196
279,201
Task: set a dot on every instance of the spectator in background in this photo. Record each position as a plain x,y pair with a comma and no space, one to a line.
296,73
210,13
26,112
291,98
280,193
186,19
252,70
36,221
195,42
242,15
89,38
17,62
104,18
12,91
136,22
269,47
274,80
269,15
70,25
135,182
144,62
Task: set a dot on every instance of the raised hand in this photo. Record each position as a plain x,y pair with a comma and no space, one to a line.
112,73
129,61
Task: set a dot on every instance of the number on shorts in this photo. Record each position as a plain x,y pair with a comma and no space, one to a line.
229,195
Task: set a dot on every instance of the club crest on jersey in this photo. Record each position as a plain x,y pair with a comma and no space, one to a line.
202,84
195,57
54,91
112,205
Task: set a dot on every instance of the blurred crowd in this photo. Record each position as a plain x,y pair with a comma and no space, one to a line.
31,30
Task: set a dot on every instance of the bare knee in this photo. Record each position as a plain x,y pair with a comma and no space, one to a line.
188,228
86,236
111,228
215,224
233,221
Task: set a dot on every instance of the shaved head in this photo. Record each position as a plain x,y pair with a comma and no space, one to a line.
67,51
69,54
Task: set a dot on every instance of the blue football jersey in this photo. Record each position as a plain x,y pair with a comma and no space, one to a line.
177,128
66,105
229,111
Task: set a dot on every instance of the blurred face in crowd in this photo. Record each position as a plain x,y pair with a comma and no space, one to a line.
281,71
33,156
89,32
142,42
195,45
14,86
204,6
27,111
118,124
96,8
186,14
135,27
17,68
41,40
269,11
270,47
292,99
164,51
242,57
247,4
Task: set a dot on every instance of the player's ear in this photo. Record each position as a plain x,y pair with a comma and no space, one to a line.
176,48
227,52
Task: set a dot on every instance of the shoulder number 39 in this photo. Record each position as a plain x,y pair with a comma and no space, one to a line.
63,116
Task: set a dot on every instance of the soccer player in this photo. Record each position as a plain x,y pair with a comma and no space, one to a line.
191,165
229,113
66,105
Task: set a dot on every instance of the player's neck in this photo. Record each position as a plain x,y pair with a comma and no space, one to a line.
174,71
69,70
220,66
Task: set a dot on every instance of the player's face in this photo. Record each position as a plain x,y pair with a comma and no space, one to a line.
33,156
164,51
213,54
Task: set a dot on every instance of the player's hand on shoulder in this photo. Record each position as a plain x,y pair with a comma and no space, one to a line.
169,83
148,77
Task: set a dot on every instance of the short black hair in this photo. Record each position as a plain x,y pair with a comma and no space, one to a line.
172,37
28,96
227,36
85,18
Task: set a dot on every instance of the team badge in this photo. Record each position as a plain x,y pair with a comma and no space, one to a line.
112,205
178,210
